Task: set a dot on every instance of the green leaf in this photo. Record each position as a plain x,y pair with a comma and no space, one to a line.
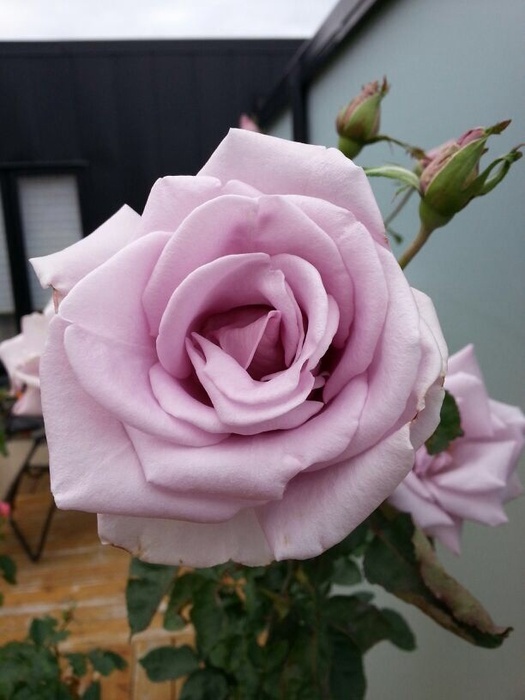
346,572
78,663
366,624
181,594
395,172
401,559
400,633
26,667
169,663
147,585
8,568
207,618
43,632
93,691
449,427
105,662
205,684
347,676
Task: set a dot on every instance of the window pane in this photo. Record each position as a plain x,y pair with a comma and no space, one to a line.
7,305
51,221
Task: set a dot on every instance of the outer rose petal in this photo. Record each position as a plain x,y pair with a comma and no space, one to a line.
29,404
320,508
196,544
64,269
313,515
286,167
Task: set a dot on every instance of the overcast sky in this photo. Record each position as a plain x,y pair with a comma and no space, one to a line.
167,19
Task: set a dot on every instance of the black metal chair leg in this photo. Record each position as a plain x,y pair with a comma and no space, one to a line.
34,471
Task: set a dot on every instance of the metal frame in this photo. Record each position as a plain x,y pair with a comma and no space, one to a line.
33,471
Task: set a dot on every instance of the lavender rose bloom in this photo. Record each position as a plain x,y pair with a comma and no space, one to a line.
243,372
477,474
21,358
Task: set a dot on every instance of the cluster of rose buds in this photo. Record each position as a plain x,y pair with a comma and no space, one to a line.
447,177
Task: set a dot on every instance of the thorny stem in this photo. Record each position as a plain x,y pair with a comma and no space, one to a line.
416,245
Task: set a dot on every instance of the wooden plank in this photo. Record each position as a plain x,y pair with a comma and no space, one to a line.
77,571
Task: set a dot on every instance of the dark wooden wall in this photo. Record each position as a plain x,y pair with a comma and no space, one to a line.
129,112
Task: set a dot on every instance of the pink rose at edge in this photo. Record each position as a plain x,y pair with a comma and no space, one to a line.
21,358
476,476
5,509
242,372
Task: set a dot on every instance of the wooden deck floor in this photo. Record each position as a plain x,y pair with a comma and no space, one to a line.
76,571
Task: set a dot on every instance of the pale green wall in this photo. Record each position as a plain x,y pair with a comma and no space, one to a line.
455,64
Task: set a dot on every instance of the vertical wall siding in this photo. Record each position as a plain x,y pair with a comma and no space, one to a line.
133,111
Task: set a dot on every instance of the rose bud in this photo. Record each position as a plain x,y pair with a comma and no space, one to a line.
358,122
450,175
476,474
243,372
5,509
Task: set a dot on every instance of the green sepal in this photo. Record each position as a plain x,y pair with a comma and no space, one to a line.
349,147
483,184
395,172
449,427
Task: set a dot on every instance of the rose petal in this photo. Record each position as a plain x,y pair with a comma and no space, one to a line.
87,473
251,226
196,544
320,508
64,269
257,466
285,167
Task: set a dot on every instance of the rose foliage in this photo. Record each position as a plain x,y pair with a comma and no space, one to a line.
246,372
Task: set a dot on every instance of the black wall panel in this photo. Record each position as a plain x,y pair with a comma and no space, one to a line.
131,111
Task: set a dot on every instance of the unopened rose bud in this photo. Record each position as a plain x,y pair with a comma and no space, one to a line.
358,122
450,175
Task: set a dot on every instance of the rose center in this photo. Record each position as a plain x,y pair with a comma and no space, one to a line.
252,336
